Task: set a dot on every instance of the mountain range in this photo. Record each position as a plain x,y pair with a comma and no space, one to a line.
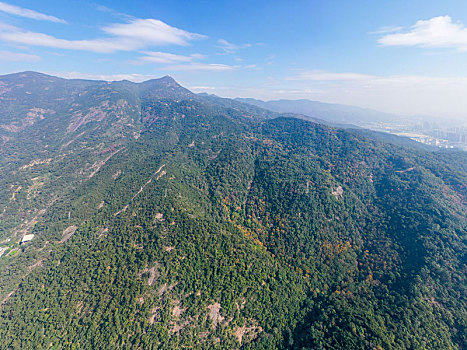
337,114
164,219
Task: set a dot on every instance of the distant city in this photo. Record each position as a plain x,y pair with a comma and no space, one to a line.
429,133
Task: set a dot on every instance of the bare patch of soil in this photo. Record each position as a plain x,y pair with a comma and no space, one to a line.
338,192
67,233
215,315
247,332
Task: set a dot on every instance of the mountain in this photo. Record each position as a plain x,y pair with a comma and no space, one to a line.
164,220
331,113
165,87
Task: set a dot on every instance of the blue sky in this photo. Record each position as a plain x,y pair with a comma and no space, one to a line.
400,56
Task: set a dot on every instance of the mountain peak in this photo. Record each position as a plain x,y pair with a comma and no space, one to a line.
166,79
164,87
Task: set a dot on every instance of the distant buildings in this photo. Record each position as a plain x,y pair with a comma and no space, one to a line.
427,133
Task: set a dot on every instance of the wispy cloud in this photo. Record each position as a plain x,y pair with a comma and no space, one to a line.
182,62
317,75
134,35
368,80
270,59
387,30
39,39
437,32
201,67
111,11
165,58
22,12
16,57
260,92
203,88
230,48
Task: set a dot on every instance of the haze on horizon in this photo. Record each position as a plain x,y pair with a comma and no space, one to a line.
401,57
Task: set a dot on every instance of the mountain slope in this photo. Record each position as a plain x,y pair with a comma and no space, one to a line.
208,227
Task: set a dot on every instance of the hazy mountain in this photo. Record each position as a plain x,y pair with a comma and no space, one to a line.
334,113
166,220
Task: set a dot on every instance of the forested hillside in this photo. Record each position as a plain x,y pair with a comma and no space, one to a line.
168,220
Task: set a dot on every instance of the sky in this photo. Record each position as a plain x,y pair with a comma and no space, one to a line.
406,57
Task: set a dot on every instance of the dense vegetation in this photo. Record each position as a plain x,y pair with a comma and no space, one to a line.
165,220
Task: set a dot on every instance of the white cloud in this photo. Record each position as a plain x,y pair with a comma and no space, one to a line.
137,34
229,47
201,67
165,57
328,76
151,31
22,12
437,32
6,27
16,57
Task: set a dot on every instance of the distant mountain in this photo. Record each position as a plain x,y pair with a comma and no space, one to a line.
164,219
333,113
